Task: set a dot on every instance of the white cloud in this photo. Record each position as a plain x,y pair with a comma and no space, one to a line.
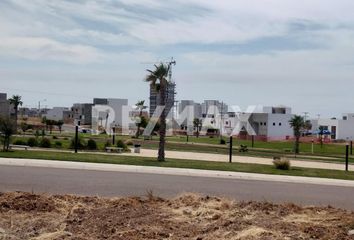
35,48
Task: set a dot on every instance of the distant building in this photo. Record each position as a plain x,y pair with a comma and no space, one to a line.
117,104
28,112
339,129
265,123
79,112
170,98
56,113
197,110
4,105
273,123
213,107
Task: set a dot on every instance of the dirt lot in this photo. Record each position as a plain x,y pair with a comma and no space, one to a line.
29,216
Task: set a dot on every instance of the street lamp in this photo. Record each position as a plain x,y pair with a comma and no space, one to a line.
39,105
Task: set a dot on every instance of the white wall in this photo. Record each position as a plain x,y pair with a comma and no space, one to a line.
282,127
56,113
117,104
345,128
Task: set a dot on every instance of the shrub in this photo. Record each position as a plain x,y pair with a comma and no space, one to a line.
45,143
32,142
281,163
121,144
37,133
20,142
107,144
80,143
91,144
222,141
55,137
58,144
128,142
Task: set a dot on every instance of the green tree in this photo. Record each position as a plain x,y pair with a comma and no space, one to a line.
15,101
59,124
297,123
50,124
157,79
197,123
140,107
7,129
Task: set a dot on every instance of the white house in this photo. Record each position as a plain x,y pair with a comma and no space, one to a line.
270,123
55,113
340,129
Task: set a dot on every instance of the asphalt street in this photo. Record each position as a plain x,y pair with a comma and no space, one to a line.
105,183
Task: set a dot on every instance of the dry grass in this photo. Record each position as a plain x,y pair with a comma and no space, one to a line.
189,216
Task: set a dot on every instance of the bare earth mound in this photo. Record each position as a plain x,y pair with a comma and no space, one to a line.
29,216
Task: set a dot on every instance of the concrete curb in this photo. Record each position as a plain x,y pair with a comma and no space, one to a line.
171,171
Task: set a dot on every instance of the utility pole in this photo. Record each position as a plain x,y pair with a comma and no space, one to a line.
114,135
305,115
76,137
347,157
230,150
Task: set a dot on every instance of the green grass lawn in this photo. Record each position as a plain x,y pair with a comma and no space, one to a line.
335,152
177,163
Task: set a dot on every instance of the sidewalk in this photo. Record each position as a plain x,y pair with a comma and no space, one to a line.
240,159
221,158
172,171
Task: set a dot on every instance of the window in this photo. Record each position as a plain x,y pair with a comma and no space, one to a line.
261,123
279,124
273,123
265,124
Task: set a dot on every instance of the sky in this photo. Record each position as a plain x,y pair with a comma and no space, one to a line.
297,53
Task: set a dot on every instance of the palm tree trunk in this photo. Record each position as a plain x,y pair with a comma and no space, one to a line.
16,112
297,143
162,130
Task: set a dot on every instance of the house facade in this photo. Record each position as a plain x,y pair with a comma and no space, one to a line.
340,129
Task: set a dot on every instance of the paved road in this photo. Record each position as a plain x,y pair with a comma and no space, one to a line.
103,183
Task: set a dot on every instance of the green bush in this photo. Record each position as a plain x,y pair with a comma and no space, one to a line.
222,141
45,143
91,144
32,142
80,143
128,142
20,142
58,144
55,137
281,163
121,144
107,144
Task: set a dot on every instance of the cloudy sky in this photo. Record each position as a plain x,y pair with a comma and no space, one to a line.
298,53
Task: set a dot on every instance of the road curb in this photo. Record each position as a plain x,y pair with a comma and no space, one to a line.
172,171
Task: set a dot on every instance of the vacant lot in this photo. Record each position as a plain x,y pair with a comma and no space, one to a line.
30,216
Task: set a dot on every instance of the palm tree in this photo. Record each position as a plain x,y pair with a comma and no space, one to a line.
297,123
158,80
15,101
140,106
